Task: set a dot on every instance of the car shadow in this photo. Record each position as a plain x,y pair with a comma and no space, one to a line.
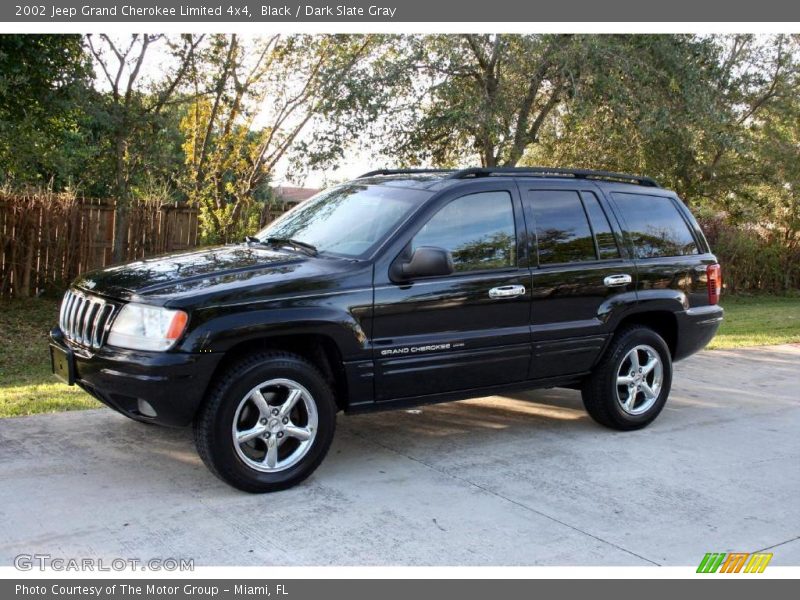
479,419
453,427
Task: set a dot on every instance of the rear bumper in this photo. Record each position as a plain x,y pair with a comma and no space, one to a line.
696,327
172,383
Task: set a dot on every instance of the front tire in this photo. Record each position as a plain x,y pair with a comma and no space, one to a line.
629,387
267,423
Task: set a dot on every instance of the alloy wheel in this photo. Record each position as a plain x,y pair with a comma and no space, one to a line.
275,425
639,379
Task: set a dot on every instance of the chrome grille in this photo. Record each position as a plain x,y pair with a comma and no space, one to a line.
84,319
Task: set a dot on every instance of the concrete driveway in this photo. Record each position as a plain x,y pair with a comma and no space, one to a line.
520,480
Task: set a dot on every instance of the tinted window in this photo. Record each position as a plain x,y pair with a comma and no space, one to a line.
606,243
654,226
478,230
348,219
562,231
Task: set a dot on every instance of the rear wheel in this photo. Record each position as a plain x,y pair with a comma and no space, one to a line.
629,387
267,424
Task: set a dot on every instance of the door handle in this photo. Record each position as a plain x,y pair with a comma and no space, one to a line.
617,280
507,291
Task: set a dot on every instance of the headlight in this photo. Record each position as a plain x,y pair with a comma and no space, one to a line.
143,327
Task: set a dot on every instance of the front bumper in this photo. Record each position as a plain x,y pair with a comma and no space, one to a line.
696,327
172,383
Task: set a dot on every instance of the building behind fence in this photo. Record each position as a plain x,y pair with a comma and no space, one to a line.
47,239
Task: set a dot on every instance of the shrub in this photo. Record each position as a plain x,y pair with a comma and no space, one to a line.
754,258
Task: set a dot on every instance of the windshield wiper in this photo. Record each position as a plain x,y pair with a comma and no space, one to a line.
305,247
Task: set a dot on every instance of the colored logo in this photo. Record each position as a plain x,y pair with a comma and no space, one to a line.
734,562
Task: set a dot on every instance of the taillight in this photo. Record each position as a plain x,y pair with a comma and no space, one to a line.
714,278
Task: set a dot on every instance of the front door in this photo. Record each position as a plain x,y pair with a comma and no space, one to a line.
466,330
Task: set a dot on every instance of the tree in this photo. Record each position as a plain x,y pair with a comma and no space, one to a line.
714,118
130,108
42,81
483,96
684,109
262,96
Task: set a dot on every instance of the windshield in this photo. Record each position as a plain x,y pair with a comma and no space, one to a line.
348,220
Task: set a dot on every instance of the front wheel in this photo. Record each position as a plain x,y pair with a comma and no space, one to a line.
267,424
629,387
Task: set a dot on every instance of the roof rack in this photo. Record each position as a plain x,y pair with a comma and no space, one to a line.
403,172
532,171
553,171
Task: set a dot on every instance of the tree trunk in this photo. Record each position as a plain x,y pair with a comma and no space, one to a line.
119,253
121,200
488,158
24,287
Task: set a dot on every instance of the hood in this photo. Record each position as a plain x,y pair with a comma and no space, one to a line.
213,270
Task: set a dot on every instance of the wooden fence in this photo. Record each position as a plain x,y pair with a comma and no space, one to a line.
46,240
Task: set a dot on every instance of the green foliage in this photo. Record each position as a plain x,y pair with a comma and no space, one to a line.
714,117
643,103
475,96
754,258
43,79
264,92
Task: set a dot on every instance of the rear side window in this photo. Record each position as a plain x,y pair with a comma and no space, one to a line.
478,230
562,229
606,242
654,226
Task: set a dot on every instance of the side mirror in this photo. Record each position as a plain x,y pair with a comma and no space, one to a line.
427,261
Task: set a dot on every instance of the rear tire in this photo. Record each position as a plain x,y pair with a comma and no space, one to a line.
267,423
629,387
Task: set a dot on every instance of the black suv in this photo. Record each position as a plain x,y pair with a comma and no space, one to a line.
401,287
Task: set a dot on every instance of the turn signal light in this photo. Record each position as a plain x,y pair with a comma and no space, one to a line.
177,325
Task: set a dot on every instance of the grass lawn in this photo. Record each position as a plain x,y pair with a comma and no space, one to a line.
27,386
758,321
26,383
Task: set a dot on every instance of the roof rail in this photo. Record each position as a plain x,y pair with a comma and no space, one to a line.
403,172
553,171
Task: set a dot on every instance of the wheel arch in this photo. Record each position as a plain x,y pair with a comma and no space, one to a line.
319,349
663,322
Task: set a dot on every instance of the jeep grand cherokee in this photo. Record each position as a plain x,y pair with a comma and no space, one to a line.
398,288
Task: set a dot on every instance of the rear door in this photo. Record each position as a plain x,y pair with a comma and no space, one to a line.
466,330
665,248
581,273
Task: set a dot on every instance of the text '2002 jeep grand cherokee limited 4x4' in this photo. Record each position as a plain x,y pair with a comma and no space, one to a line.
400,287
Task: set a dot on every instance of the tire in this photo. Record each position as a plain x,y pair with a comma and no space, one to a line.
248,401
611,395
